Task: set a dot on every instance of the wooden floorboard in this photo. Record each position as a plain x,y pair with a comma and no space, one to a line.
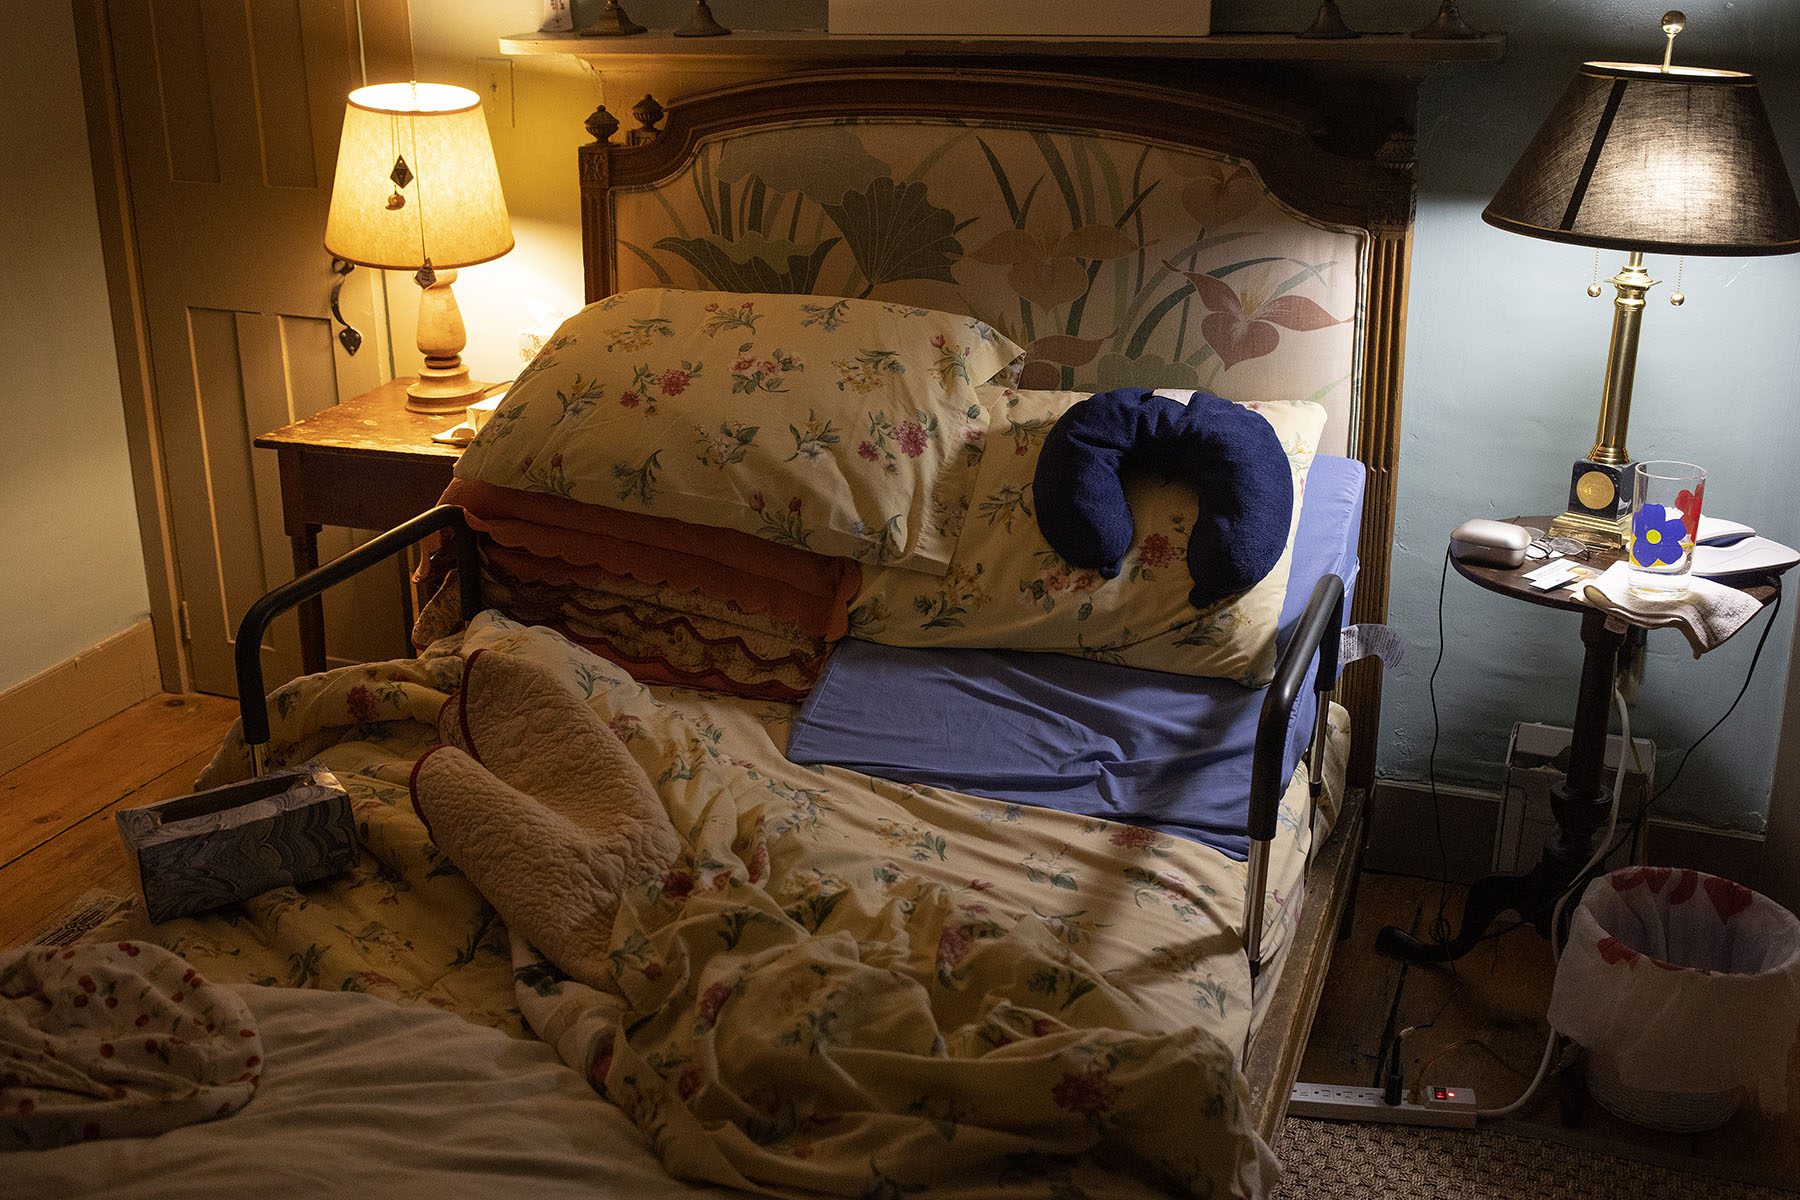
1482,1026
103,766
57,837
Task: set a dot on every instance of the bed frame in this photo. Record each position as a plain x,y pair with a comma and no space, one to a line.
1284,141
1371,192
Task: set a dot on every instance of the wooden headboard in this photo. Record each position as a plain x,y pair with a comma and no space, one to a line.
1125,232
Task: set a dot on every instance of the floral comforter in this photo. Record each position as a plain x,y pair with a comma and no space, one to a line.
1127,929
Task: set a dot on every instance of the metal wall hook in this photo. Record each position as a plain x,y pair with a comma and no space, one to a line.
347,337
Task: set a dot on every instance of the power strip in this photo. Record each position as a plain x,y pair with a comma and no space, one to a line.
1445,1107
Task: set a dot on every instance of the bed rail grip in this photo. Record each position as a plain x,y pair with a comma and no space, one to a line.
1318,634
252,696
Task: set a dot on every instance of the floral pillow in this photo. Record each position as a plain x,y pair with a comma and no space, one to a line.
1007,589
851,428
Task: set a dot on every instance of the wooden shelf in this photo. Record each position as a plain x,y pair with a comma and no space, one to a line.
812,45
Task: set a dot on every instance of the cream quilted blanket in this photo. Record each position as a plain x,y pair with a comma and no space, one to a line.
1060,936
770,1026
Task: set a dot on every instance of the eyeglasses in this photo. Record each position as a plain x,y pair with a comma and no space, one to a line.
1543,546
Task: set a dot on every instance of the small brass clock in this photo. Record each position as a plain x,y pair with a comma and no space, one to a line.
1594,489
1600,489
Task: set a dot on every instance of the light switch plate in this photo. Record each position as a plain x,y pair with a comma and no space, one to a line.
496,88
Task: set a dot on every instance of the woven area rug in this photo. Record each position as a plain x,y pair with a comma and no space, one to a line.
1337,1160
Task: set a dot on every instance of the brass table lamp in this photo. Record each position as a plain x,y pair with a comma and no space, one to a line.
417,190
1646,158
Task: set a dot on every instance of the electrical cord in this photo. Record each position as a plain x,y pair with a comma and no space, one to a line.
1643,811
1461,1044
1556,914
1440,926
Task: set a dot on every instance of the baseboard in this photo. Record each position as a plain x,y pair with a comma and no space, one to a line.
1403,837
1403,831
77,694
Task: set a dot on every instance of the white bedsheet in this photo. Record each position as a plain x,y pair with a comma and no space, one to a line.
361,1097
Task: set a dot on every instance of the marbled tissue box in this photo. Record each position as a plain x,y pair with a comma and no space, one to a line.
221,846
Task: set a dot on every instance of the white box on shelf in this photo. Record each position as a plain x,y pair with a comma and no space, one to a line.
1535,757
1004,18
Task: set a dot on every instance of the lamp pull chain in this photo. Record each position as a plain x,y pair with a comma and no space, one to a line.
1593,287
401,175
426,275
1677,297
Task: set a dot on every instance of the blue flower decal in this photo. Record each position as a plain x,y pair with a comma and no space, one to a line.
1657,532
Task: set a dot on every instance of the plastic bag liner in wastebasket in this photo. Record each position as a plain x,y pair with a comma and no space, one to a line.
1682,983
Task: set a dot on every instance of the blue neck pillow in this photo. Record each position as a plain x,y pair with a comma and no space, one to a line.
1229,454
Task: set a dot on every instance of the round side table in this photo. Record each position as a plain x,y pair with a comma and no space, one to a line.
1581,800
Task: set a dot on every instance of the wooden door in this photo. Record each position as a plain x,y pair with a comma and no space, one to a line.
230,114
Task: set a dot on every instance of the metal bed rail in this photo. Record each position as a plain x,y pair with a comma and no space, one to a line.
252,696
1318,634
1321,627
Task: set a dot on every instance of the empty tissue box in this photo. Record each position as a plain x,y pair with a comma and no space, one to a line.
227,844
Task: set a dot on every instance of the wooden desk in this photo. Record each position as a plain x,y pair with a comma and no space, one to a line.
366,463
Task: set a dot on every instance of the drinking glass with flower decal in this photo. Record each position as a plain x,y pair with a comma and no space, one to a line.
1664,526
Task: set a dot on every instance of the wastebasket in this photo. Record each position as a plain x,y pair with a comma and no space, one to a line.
1684,989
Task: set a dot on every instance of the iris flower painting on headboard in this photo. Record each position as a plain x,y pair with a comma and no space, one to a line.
1116,261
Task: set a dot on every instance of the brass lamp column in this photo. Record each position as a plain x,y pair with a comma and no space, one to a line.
1647,159
1593,489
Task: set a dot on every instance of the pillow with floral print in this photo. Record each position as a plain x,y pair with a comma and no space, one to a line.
851,428
1007,589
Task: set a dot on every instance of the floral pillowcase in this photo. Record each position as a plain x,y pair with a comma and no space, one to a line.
1007,589
851,428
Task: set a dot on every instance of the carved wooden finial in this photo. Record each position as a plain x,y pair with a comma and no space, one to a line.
1400,150
602,125
1398,159
646,112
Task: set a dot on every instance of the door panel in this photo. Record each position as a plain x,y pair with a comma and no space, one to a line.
231,113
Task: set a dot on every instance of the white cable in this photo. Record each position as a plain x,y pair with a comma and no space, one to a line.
1600,852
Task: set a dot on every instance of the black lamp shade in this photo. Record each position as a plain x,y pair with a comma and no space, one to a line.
1633,157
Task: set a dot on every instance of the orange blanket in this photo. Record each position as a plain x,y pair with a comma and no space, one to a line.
677,603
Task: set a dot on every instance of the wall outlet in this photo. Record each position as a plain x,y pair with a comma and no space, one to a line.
1440,1105
495,83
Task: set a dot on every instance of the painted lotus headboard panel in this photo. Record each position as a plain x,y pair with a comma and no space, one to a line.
1115,260
1127,233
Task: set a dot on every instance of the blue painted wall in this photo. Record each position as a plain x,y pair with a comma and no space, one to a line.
1505,356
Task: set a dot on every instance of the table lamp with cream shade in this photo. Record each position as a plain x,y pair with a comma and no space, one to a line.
1646,158
417,190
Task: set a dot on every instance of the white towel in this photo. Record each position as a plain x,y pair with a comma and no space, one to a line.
1707,613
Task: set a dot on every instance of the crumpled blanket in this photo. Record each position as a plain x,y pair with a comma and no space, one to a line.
543,808
844,1038
116,1040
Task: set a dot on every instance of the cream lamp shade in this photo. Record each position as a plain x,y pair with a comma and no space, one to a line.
1672,160
454,212
417,189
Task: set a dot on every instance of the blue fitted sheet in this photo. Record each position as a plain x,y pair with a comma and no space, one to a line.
1170,752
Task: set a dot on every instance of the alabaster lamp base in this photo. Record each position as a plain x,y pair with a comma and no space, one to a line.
444,386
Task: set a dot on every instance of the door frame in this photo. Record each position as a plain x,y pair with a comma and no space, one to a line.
383,23
131,335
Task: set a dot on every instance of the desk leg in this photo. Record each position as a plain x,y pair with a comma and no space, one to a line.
1580,802
305,540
